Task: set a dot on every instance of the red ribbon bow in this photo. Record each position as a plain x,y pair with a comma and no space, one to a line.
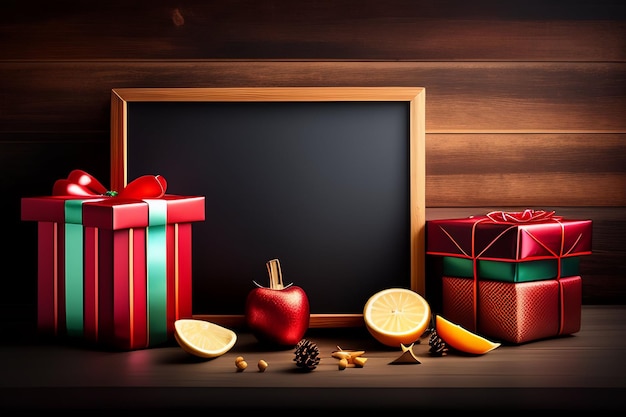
526,216
80,183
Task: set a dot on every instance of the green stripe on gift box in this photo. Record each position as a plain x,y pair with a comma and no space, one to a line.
523,271
74,267
156,254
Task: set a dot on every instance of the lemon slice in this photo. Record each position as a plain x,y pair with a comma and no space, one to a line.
202,338
462,339
396,316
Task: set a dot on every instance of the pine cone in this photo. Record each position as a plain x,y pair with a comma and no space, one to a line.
437,346
307,355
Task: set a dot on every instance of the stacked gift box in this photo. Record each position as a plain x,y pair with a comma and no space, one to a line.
114,268
511,276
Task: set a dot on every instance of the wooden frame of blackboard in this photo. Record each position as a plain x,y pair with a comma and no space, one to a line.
412,97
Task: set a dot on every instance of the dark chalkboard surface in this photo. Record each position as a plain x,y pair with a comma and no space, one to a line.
327,180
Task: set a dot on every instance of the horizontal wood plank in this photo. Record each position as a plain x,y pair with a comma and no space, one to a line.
525,169
461,170
533,190
399,30
460,97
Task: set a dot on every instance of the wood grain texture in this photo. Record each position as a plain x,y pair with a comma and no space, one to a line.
530,170
525,101
484,141
462,97
574,373
398,30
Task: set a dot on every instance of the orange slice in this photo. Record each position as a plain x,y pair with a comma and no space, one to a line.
202,338
461,339
396,316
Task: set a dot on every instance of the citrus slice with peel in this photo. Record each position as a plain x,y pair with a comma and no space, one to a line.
396,316
203,338
461,339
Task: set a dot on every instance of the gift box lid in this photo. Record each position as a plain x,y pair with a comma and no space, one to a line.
486,238
114,213
49,208
110,214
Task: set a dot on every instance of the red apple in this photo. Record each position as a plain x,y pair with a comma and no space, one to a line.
277,314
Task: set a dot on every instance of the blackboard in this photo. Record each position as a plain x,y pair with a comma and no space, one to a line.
328,180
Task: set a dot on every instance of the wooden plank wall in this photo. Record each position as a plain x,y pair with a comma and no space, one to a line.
526,100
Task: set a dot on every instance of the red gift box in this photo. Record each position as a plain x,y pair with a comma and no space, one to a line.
501,236
113,268
514,312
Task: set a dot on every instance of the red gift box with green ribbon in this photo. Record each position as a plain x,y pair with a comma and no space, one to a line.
114,268
489,295
510,246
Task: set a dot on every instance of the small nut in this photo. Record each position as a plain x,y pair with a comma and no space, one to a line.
343,364
241,365
238,359
262,365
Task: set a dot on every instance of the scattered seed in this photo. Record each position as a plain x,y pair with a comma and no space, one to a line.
241,365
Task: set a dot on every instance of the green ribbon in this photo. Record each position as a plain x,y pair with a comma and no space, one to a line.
156,255
521,271
74,286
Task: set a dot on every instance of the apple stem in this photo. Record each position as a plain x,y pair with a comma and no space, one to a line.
276,276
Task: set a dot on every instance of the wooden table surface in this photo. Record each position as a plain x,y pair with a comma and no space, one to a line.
584,371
